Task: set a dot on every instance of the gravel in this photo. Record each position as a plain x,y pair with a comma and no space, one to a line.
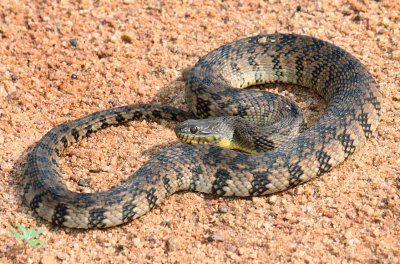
60,60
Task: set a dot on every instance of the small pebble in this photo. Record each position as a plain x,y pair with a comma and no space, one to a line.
136,242
126,38
272,199
74,76
396,54
114,102
397,182
172,244
217,236
95,170
162,70
73,42
165,223
223,209
14,77
258,202
231,248
119,248
82,182
49,259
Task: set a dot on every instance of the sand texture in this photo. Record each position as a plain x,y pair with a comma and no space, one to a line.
60,60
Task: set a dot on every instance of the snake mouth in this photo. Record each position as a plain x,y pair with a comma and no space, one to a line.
206,139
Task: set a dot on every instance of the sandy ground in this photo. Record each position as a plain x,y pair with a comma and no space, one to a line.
60,61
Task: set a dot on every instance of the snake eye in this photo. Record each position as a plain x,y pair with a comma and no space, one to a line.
194,129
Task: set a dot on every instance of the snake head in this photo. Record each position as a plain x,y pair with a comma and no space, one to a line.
229,132
214,131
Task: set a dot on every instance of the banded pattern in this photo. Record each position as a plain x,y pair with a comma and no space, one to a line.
352,115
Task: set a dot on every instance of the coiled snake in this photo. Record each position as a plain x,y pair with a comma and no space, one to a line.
352,114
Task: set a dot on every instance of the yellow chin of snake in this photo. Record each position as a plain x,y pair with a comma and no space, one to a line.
226,143
230,144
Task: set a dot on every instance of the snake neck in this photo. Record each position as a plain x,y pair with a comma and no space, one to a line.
250,138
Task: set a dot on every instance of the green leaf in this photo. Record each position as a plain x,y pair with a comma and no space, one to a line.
35,242
31,233
22,229
14,232
28,235
35,233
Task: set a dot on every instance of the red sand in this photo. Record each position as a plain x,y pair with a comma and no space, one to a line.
135,52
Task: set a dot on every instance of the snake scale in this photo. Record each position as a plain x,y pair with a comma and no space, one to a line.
353,113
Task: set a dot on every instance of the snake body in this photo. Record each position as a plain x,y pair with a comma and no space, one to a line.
353,113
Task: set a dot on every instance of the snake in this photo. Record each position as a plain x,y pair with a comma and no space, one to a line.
221,163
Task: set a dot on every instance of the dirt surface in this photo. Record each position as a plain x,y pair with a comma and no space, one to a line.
60,60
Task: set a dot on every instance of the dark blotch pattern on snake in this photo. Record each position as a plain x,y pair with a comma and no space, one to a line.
353,113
